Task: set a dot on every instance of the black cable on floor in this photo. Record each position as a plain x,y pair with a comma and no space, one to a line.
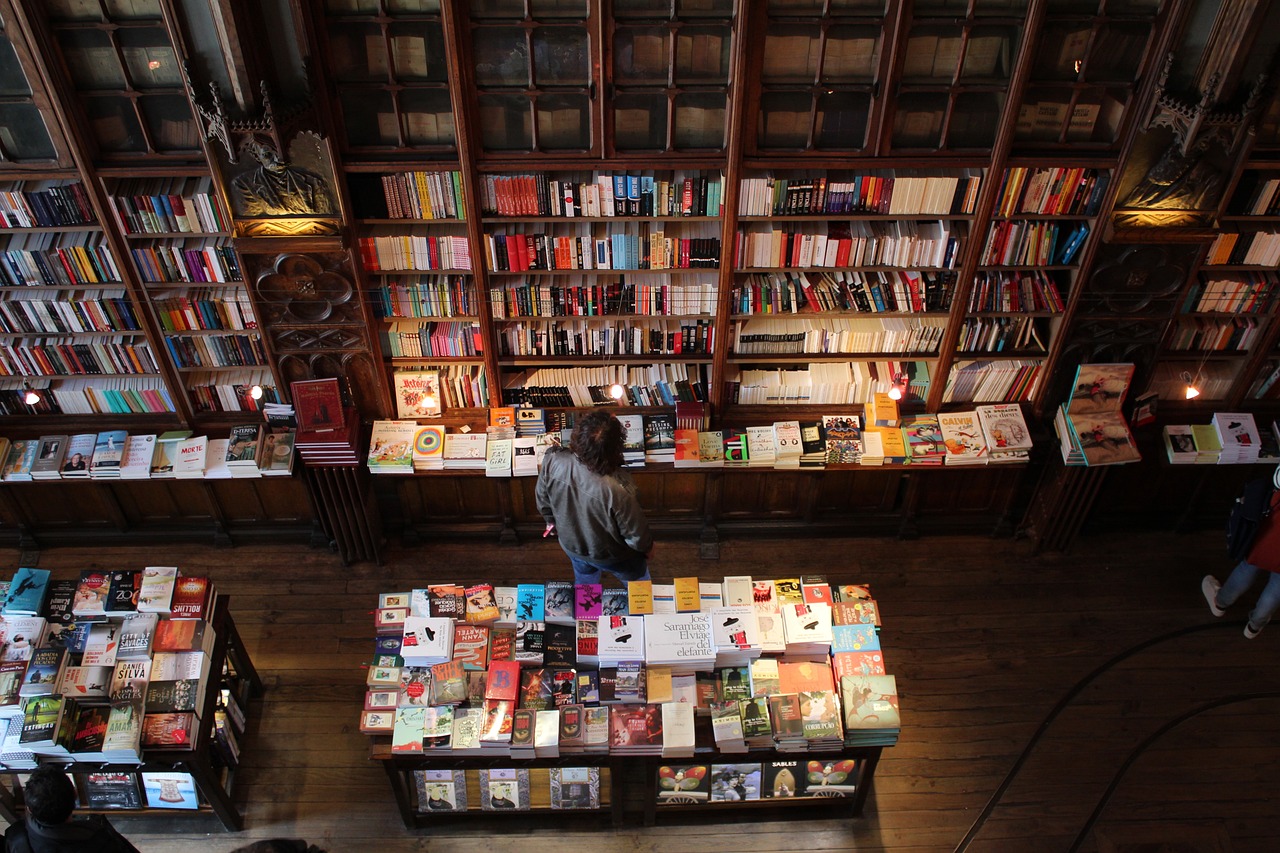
1061,706
1147,742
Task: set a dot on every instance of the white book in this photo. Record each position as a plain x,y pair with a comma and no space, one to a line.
102,646
138,451
621,638
191,457
156,592
177,666
677,729
427,638
216,460
735,627
736,590
497,460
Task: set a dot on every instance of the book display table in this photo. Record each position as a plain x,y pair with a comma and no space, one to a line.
173,781
716,697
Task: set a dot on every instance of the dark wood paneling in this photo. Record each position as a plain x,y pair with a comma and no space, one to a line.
672,495
59,511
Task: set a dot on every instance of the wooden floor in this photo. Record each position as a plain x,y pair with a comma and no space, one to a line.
1099,677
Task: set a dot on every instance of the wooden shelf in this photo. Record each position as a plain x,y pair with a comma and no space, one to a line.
386,273
56,229
171,235
604,318
226,369
597,272
801,358
818,315
499,220
596,360
748,270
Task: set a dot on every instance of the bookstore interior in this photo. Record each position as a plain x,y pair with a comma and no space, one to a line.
339,272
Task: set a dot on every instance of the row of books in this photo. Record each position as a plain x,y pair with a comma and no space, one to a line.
427,296
625,337
639,246
103,667
251,450
828,383
602,195
1030,290
211,391
69,356
510,789
507,788
1230,438
44,204
1250,293
885,194
139,394
58,260
871,292
1026,243
44,312
1007,381
216,350
1001,334
205,309
168,205
915,245
1235,334
1051,191
662,384
179,262
424,195
415,252
1257,248
838,335
551,669
1265,200
598,297
441,339
106,790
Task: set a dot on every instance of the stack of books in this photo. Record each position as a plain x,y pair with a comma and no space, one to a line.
328,432
682,641
391,447
807,629
1238,434
1005,432
1180,444
465,451
1090,426
428,448
735,633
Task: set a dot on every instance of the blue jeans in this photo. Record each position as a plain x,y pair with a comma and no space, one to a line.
1243,577
586,571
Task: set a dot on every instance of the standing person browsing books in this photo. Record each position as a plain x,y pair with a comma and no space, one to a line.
591,505
49,827
1263,558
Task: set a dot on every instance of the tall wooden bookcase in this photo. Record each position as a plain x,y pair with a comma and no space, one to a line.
832,259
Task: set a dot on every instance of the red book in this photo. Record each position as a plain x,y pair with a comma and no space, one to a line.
503,681
190,599
686,200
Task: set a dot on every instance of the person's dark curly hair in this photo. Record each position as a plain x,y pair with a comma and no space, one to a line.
597,441
49,794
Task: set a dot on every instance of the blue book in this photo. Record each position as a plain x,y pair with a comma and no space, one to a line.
613,601
647,196
27,592
633,195
620,195
530,602
854,638
558,604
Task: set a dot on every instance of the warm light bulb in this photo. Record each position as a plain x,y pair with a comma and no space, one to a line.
616,391
895,393
256,392
32,397
428,403
1192,392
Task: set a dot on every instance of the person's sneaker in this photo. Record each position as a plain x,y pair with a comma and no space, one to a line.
1250,632
1210,586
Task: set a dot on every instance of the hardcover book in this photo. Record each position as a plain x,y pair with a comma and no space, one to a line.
102,790
27,593
441,790
317,404
575,787
91,594
735,783
683,784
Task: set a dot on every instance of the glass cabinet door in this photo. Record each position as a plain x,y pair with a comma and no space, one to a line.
388,60
25,138
670,75
954,74
533,63
124,68
1087,58
819,72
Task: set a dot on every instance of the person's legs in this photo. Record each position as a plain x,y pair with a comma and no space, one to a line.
583,571
636,569
1242,577
1268,603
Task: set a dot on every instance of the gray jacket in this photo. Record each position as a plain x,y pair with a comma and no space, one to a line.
597,518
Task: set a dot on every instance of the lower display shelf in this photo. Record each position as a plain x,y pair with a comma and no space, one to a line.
433,789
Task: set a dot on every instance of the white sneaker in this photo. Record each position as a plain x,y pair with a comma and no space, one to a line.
1250,632
1210,586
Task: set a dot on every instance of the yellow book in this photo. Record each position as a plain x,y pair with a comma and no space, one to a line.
688,595
658,684
639,597
883,411
895,444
